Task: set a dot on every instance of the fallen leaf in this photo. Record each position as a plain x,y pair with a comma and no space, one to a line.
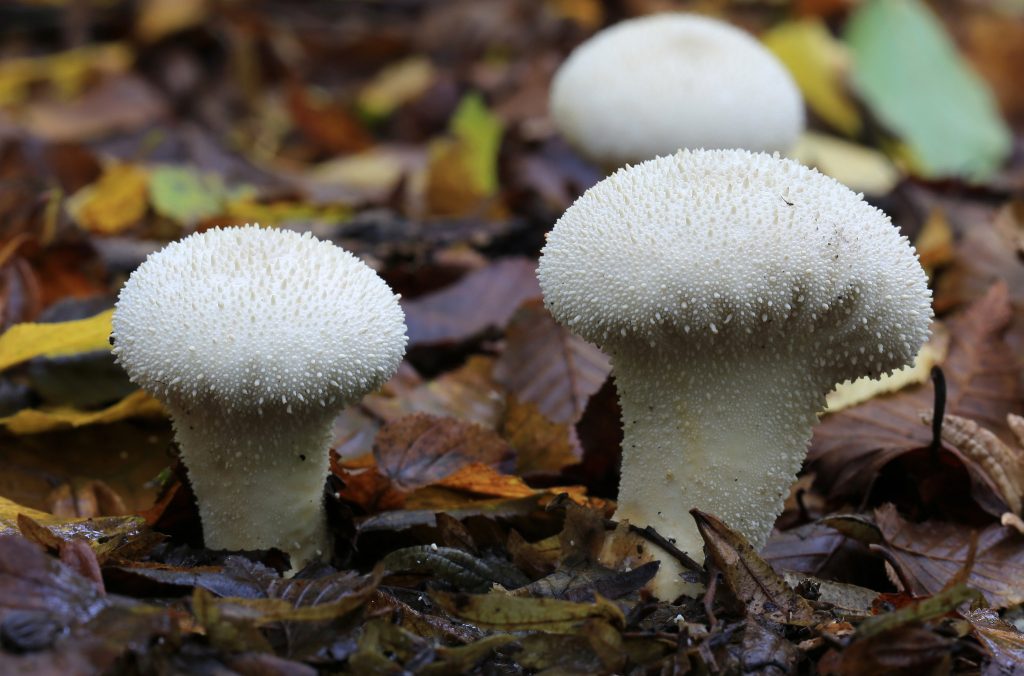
118,104
114,203
546,364
67,72
911,76
1001,464
818,63
931,553
849,448
934,242
858,167
462,570
480,300
186,196
498,611
902,651
328,124
864,389
540,444
1004,643
35,421
157,19
25,341
463,172
919,611
396,85
763,591
419,449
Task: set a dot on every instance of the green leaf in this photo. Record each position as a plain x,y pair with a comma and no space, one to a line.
910,74
479,134
187,196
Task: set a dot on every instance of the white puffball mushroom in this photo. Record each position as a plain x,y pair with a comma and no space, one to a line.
653,85
732,291
255,339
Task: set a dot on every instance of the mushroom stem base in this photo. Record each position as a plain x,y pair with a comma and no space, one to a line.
726,436
259,482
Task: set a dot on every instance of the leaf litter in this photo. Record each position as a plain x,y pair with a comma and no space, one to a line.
471,497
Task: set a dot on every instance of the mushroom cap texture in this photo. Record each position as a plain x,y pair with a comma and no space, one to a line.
253,319
721,252
653,85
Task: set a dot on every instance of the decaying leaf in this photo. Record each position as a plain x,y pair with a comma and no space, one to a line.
35,421
929,554
540,444
1001,464
114,203
498,611
482,299
751,579
548,365
419,449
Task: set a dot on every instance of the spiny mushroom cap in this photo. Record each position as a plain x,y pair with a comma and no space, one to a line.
256,319
720,252
650,86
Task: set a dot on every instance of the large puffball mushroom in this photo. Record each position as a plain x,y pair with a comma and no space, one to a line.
732,291
255,339
653,85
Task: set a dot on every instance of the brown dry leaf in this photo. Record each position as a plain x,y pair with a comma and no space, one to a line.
467,393
541,445
986,254
419,450
751,579
329,125
114,203
367,487
1001,464
119,104
548,365
929,554
934,242
849,448
994,42
906,650
482,299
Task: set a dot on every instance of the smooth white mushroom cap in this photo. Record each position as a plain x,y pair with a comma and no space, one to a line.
252,320
653,85
726,251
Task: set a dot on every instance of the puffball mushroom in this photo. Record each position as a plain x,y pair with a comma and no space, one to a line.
732,291
653,85
255,339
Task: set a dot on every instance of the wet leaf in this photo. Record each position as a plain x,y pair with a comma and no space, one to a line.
114,203
904,650
751,579
546,364
480,300
931,553
498,611
419,450
460,569
908,71
1002,640
918,612
25,341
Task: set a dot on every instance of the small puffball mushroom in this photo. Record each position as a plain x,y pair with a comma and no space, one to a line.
732,291
653,85
255,339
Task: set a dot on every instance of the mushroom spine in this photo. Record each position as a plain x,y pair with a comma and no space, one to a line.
255,339
732,291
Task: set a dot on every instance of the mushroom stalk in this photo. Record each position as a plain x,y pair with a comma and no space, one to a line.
725,435
259,483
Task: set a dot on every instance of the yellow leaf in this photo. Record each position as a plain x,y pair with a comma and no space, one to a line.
67,72
396,85
115,202
852,393
817,62
860,168
499,611
9,511
160,18
35,421
29,340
